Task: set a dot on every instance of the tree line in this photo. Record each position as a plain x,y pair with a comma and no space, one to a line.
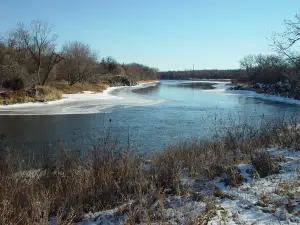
283,66
29,55
199,74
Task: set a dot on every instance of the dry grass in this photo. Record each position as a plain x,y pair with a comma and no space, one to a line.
146,81
77,88
264,163
108,177
45,93
71,188
49,93
221,194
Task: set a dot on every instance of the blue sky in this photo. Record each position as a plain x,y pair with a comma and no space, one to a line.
167,34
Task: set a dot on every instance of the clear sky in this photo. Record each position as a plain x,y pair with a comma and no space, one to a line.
167,34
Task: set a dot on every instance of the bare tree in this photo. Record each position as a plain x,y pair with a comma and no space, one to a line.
248,62
286,43
2,48
39,41
51,60
111,66
79,61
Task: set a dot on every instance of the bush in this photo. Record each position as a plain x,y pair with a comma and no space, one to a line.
49,93
233,177
14,84
265,163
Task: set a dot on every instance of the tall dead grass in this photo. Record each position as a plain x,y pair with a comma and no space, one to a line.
49,93
33,193
45,93
77,88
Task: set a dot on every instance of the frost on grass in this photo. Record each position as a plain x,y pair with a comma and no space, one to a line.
274,199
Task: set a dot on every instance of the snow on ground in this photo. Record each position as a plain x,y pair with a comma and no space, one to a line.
274,199
83,103
265,200
219,86
275,98
223,87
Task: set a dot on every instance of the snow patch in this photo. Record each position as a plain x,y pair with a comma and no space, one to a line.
275,98
86,102
256,201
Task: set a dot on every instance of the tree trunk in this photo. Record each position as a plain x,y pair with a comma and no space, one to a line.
38,73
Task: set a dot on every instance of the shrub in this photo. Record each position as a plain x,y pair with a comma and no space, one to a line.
49,93
233,176
77,88
14,84
265,163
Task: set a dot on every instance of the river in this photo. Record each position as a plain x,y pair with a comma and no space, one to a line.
148,118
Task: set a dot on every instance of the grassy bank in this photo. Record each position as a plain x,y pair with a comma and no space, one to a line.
146,81
44,94
48,93
284,90
33,192
53,91
77,88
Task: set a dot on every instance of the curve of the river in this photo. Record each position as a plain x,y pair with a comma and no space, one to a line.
150,115
84,103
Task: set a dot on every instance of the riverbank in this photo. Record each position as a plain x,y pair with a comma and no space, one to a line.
98,97
146,81
268,97
37,94
54,92
258,94
280,90
247,179
85,102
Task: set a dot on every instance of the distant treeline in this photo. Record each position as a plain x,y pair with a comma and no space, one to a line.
200,74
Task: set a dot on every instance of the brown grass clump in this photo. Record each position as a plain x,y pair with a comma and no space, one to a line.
70,189
45,93
77,88
265,163
49,93
206,216
233,177
221,194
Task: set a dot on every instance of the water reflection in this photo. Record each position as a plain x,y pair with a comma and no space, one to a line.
194,85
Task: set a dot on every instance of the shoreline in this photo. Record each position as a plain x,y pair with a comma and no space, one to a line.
101,101
263,96
73,103
279,92
260,185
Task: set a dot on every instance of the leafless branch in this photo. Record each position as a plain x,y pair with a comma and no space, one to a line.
39,41
79,61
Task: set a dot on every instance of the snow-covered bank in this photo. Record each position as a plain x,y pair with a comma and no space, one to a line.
220,86
268,97
82,103
274,199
